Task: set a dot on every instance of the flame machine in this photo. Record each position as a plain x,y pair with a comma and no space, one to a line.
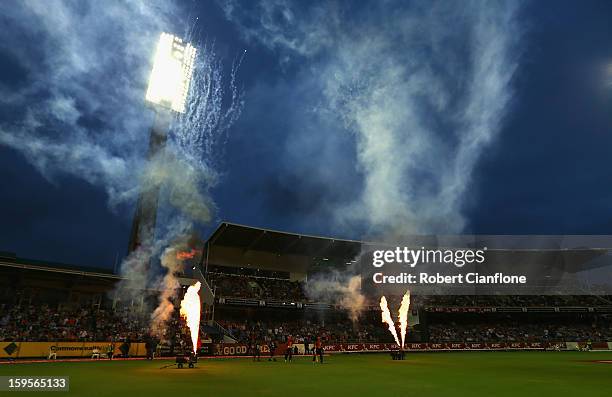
190,360
180,361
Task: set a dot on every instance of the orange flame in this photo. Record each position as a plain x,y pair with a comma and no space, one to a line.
182,255
403,316
386,318
190,311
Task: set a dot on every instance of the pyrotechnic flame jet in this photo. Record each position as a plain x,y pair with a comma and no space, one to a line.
403,316
386,318
190,310
182,255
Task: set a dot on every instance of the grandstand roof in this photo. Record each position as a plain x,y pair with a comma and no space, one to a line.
10,260
282,243
238,242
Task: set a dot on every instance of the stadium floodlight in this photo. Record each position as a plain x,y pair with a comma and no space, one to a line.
171,73
167,92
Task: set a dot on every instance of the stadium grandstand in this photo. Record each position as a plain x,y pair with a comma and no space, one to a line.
255,291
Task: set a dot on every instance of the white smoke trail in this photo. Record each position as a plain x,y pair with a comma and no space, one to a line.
416,173
135,272
423,88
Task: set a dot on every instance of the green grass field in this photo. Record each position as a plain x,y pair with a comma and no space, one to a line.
421,374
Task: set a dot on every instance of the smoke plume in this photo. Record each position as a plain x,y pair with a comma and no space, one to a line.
168,286
339,287
420,88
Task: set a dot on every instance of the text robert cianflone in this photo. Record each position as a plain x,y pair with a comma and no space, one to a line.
437,278
410,256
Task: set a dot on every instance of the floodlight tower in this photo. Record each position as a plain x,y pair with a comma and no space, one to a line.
166,95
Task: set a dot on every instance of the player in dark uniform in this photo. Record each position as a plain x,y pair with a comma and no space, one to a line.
251,346
272,349
256,351
149,347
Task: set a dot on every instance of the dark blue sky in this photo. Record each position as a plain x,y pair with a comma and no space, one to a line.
298,157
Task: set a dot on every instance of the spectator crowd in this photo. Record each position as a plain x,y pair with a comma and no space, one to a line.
520,331
44,323
241,286
62,322
302,331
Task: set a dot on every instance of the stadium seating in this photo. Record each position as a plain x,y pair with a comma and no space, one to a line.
44,323
40,313
514,330
257,287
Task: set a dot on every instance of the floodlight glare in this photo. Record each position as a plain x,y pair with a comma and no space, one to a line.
171,74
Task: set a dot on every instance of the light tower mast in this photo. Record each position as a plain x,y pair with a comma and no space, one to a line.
167,95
